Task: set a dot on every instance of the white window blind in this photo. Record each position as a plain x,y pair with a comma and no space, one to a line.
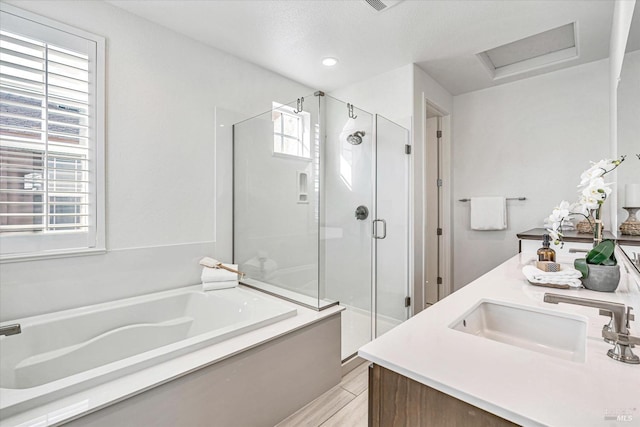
50,138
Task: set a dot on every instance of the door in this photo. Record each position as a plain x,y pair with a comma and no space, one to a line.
391,226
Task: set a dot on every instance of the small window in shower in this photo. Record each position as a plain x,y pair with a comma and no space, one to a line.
291,133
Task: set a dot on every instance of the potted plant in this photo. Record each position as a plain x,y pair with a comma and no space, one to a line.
599,268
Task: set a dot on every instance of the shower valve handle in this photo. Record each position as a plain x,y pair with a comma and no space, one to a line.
362,213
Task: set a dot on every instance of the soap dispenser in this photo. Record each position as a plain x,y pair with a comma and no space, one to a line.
545,253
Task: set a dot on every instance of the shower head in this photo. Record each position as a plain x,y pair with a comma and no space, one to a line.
356,137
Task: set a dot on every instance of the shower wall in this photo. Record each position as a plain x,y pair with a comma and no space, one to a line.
275,232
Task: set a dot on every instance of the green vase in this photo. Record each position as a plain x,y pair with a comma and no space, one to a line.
602,278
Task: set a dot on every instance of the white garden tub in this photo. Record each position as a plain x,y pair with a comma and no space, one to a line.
61,353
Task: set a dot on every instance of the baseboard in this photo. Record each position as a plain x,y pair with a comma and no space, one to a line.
351,364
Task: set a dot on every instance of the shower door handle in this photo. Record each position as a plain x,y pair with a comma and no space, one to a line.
374,232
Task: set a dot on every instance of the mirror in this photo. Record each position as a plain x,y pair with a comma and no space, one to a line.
628,125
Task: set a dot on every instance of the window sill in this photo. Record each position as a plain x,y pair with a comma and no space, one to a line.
292,157
5,259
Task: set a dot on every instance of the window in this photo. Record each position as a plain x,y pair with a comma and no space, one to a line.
291,132
51,137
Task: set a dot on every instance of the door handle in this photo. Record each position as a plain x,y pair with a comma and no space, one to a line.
374,232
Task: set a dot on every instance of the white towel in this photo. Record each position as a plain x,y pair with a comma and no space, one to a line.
568,276
212,286
488,213
218,274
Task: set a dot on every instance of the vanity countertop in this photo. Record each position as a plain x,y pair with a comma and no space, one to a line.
523,386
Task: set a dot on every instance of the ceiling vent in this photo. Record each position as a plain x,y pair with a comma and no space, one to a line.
530,53
381,6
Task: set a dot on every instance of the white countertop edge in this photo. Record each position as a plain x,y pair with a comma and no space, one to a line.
417,349
119,389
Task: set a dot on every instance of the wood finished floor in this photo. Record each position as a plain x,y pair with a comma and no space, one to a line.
345,405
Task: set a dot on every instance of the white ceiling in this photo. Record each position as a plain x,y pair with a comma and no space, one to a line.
291,37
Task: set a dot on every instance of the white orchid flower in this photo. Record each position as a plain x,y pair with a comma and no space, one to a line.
596,170
564,205
593,192
579,208
589,174
589,203
560,213
597,189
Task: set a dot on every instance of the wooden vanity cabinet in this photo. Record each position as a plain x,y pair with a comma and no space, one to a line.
397,401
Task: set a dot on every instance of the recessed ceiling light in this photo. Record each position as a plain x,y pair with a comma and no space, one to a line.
329,62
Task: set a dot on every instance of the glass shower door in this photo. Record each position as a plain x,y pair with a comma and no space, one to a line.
347,211
391,226
321,208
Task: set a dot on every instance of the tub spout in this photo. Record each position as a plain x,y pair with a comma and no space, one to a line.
10,329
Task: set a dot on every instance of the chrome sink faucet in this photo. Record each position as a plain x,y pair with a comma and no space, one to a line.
616,311
616,332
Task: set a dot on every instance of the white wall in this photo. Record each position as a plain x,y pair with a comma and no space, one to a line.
162,91
529,138
388,94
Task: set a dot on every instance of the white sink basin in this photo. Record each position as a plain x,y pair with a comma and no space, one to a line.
547,332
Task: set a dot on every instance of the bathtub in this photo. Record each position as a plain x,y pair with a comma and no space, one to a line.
62,353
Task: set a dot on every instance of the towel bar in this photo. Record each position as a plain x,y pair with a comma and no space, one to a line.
508,198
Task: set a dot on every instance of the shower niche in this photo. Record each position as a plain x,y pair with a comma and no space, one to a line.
300,171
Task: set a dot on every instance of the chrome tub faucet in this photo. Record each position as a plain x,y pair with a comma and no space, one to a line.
10,329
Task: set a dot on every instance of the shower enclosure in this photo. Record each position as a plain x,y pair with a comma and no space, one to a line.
321,211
